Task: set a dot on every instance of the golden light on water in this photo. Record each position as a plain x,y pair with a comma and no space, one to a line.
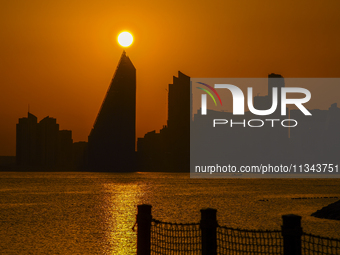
121,216
125,39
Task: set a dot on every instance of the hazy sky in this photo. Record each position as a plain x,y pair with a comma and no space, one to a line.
59,56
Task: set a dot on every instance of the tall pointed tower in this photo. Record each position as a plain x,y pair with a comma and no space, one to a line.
112,140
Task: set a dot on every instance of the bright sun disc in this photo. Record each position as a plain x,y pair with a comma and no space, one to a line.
125,39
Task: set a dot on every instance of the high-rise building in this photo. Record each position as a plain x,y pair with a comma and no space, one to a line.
48,139
169,150
65,148
265,102
179,103
179,116
26,141
42,144
79,155
111,144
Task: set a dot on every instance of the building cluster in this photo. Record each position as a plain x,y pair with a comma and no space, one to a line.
170,148
111,142
43,144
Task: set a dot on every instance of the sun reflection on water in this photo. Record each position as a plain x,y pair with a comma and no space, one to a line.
120,216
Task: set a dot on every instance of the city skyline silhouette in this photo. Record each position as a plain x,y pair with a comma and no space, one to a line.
111,146
111,143
59,57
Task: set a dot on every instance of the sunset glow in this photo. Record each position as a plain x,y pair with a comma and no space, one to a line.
125,39
66,52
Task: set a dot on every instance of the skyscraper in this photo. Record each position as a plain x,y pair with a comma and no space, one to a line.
26,141
265,102
47,142
65,144
179,104
179,115
169,150
112,139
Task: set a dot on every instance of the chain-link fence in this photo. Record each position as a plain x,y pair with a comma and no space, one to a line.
243,241
313,244
172,238
208,238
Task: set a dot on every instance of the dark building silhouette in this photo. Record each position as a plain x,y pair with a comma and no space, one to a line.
65,147
178,131
42,144
26,140
179,104
169,150
151,150
48,141
7,163
79,155
265,102
111,143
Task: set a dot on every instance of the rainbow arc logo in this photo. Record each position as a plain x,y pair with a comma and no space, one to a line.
209,93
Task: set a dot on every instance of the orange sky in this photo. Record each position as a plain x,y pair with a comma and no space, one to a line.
59,56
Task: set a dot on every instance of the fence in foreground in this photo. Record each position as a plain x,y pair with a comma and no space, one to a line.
208,238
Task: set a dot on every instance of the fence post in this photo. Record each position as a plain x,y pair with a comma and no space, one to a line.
144,218
291,232
208,227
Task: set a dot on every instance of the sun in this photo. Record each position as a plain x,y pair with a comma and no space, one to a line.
125,39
